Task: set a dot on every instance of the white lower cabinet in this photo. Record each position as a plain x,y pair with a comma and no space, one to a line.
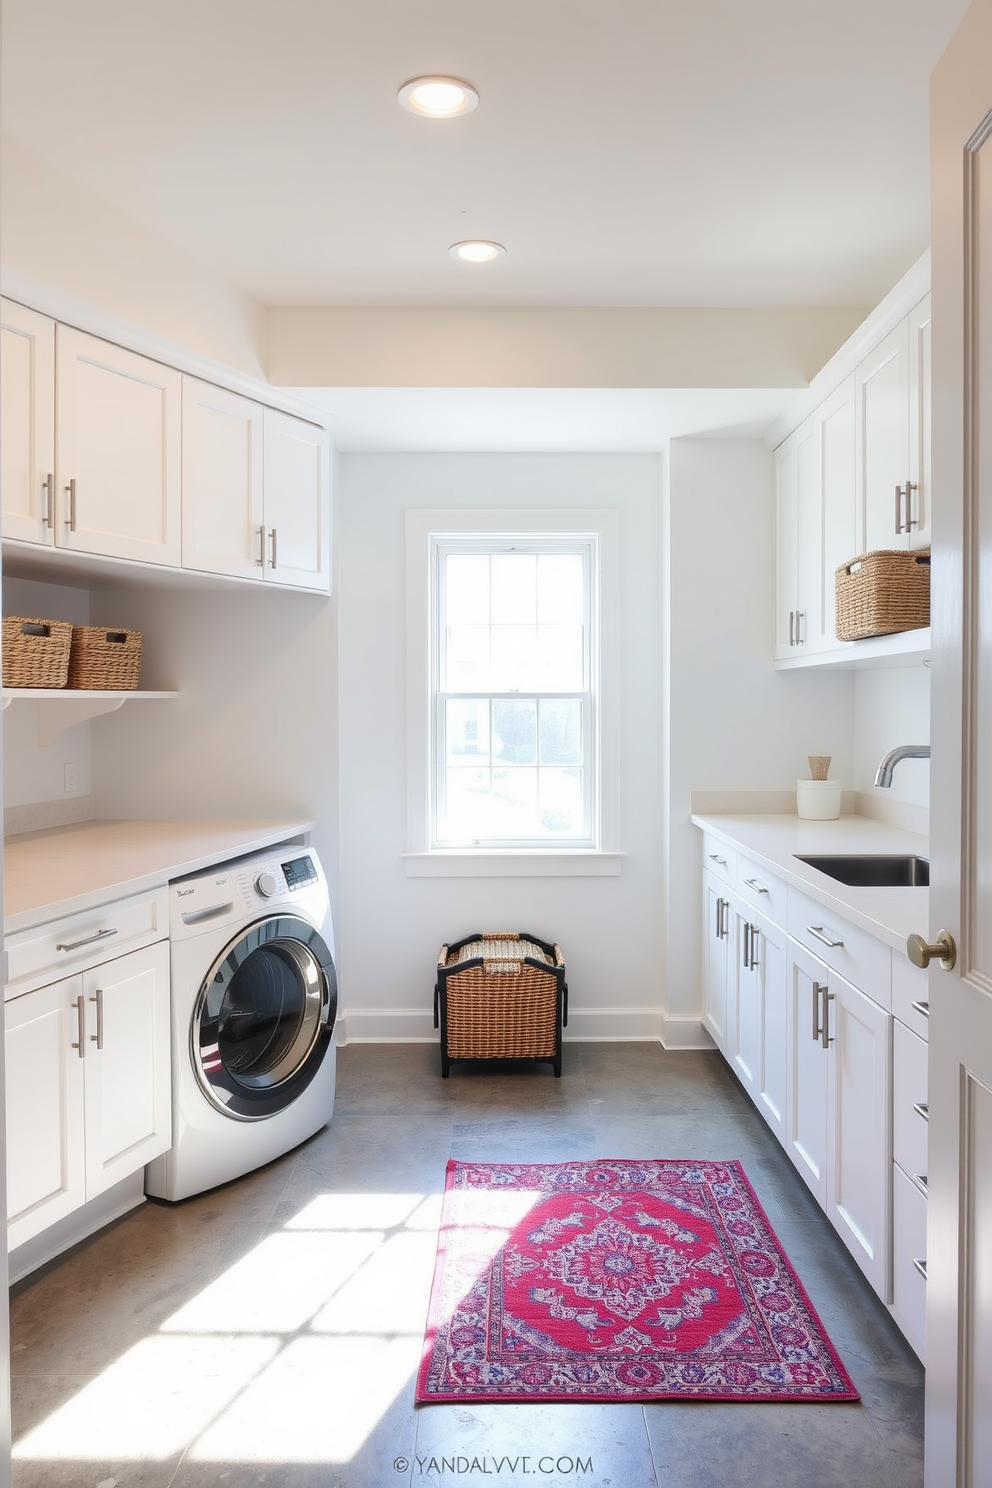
839,1104
755,1042
910,1143
88,1086
716,961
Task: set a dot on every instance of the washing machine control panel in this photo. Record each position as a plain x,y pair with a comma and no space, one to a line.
299,872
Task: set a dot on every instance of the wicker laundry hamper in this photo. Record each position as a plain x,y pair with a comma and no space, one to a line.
501,995
883,592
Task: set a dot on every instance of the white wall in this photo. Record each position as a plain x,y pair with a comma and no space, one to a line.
35,772
734,723
392,926
892,706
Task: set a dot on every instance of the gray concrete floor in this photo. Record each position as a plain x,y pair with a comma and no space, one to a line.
269,1332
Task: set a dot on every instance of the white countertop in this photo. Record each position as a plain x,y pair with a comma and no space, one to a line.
55,872
772,842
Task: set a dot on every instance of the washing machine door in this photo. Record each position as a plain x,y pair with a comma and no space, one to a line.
263,1019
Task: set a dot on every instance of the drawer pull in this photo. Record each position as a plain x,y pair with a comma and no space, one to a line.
716,858
73,945
81,1016
921,1267
921,1007
758,888
817,933
922,1109
920,1179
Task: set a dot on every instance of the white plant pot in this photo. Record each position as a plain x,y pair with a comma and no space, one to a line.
818,800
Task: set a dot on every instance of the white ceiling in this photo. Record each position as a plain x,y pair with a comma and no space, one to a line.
626,152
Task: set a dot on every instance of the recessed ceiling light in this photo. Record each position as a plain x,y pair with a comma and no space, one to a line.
477,250
438,97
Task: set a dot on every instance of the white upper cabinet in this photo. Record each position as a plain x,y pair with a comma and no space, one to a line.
296,501
27,414
222,481
836,419
118,451
798,546
893,468
919,425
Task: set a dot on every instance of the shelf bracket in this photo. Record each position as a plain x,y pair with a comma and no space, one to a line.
52,718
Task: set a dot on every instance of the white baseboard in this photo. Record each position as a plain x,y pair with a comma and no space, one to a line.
585,1025
684,1031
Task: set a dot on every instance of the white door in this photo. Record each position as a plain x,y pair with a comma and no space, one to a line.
296,498
43,1061
806,1116
27,416
882,383
859,1149
959,1210
716,939
119,451
128,1065
222,481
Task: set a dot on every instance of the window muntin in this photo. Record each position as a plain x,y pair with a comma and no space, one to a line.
513,717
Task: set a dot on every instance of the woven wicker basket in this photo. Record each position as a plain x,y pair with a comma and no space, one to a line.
35,652
104,659
880,593
501,996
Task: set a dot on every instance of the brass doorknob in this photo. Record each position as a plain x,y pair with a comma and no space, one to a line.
944,951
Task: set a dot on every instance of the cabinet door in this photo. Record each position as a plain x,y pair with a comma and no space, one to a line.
716,939
860,1151
222,481
744,998
44,1064
772,1092
839,505
296,500
919,424
118,454
808,1069
882,382
128,1065
797,539
27,416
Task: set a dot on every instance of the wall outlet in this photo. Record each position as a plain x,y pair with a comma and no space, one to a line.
70,776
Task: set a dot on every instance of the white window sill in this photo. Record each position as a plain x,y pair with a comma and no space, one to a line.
487,863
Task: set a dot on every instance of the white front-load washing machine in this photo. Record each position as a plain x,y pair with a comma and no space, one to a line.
254,998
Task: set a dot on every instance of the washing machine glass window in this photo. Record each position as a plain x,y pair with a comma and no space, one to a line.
264,1017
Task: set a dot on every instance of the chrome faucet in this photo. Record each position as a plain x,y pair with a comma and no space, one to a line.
883,775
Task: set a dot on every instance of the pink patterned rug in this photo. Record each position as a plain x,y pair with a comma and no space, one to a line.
617,1280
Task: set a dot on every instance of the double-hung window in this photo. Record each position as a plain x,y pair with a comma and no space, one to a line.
514,728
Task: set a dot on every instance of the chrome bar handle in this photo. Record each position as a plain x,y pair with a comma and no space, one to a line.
747,945
817,989
899,527
922,1109
70,520
923,1008
73,945
48,486
97,1038
911,521
817,933
260,560
274,560
800,620
921,1267
719,919
792,627
825,1039
755,933
726,918
81,1015
758,888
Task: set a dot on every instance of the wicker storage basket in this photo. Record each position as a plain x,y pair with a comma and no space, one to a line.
104,658
880,593
501,996
35,652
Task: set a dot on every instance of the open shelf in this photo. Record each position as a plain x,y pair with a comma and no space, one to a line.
903,649
58,708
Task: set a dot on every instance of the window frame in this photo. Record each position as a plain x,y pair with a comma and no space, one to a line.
586,546
423,527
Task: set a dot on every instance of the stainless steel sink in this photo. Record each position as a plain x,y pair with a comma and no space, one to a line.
871,870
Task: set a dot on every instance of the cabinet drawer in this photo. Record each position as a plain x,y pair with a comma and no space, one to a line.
79,941
910,994
762,889
909,1251
909,1101
718,858
858,956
